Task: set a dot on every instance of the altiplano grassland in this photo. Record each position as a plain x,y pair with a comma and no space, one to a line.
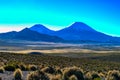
57,61
40,62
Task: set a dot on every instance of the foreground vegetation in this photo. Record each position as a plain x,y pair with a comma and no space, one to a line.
46,67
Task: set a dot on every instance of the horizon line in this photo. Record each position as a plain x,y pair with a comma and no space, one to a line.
10,27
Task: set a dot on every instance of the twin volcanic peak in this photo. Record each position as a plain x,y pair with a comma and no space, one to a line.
41,29
79,26
78,31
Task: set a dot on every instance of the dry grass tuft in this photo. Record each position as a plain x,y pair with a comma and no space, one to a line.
18,74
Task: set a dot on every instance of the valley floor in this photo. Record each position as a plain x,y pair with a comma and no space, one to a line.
98,58
88,62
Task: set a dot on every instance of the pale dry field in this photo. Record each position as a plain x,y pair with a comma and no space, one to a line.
65,50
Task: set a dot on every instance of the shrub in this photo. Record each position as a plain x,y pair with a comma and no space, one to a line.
18,74
48,70
58,71
88,76
68,72
102,76
38,75
95,76
56,77
9,68
32,67
113,75
22,67
73,77
2,70
33,76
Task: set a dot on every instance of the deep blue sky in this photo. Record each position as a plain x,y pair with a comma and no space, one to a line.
102,15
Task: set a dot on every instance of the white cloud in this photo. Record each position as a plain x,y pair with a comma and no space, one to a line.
18,27
7,28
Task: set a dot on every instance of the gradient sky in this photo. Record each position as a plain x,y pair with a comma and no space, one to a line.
102,15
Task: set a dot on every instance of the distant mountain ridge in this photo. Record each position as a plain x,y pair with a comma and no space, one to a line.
41,29
79,26
29,35
76,32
